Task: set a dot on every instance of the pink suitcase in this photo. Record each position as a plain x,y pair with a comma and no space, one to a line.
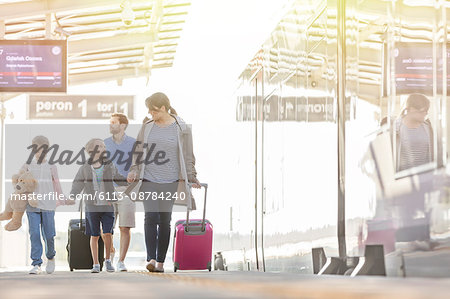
192,246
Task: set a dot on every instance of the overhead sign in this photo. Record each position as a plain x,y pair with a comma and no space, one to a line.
414,68
33,65
79,106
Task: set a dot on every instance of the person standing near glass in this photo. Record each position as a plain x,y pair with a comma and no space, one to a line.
414,147
414,133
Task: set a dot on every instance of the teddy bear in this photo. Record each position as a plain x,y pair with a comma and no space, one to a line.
24,185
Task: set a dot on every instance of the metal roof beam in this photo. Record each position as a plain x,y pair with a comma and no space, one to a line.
88,28
106,30
167,46
112,75
104,57
115,11
42,7
137,63
109,43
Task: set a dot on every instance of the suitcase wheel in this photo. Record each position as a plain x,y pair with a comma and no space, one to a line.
71,269
175,269
209,268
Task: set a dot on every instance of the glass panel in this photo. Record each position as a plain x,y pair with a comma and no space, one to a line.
366,26
299,141
415,102
317,201
390,200
258,82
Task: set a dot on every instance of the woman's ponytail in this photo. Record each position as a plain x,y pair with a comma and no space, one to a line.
172,111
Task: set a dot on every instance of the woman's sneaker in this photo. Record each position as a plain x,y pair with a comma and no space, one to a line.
121,267
109,267
95,268
159,268
50,268
35,270
151,266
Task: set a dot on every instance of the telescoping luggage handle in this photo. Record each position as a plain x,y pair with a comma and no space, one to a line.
204,185
81,213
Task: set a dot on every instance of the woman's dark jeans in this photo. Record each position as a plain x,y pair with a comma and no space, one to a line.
157,235
158,214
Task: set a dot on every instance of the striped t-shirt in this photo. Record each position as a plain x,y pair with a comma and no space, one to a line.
415,147
165,140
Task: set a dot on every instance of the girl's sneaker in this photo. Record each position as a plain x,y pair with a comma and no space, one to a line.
95,268
35,270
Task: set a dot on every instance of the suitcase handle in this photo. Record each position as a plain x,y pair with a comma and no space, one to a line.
81,213
204,185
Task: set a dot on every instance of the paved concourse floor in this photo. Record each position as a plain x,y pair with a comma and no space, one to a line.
216,284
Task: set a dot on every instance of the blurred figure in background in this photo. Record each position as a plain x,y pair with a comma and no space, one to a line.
414,147
414,133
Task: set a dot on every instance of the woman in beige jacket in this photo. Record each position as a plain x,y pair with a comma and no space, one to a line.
163,166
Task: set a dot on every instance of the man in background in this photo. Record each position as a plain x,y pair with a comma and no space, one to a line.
120,146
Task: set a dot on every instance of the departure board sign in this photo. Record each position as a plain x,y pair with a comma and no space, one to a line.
79,106
33,66
414,68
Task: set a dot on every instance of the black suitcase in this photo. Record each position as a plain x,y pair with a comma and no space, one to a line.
78,246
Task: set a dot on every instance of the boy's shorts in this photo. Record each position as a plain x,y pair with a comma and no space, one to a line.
126,210
93,220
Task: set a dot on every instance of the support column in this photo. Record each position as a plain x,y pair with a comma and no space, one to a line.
2,29
341,68
49,26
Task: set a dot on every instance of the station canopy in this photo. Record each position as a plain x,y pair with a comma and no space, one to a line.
107,39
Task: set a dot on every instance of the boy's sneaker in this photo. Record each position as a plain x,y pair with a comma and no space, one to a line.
35,270
50,268
109,267
95,268
121,267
